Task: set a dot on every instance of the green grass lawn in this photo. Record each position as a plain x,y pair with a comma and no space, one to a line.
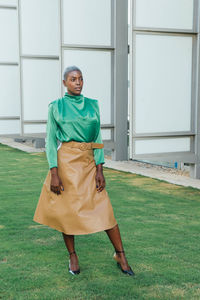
160,228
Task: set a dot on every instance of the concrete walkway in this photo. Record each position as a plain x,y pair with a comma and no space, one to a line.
159,172
26,148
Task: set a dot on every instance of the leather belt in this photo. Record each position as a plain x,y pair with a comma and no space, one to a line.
83,145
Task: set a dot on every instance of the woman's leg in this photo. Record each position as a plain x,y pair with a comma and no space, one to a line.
69,242
115,238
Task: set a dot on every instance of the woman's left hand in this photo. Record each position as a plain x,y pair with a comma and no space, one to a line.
100,180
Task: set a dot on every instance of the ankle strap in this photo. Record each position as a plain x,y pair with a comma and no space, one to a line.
118,251
72,252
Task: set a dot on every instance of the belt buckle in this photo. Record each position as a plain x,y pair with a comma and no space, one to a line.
83,146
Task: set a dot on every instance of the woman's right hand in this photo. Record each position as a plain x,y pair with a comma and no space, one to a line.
56,185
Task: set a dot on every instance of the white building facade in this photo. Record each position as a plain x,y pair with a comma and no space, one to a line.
39,38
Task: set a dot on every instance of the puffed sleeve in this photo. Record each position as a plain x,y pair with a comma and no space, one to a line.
51,139
99,153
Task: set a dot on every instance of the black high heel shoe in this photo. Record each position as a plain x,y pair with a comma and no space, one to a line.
76,272
130,271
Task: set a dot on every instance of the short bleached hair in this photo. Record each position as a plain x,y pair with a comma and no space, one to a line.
70,69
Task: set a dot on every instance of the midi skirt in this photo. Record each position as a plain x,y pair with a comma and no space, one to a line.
80,208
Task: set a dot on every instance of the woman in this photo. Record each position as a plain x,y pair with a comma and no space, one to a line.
73,199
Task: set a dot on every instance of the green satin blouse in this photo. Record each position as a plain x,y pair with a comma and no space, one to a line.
73,118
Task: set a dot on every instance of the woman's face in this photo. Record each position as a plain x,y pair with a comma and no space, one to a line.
74,83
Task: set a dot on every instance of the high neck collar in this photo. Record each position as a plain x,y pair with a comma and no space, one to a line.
75,98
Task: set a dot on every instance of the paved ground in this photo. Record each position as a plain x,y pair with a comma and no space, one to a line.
21,146
162,173
170,175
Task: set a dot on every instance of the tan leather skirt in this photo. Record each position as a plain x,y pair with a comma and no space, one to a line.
80,209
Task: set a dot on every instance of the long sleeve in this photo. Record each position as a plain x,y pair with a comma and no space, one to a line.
51,139
99,153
